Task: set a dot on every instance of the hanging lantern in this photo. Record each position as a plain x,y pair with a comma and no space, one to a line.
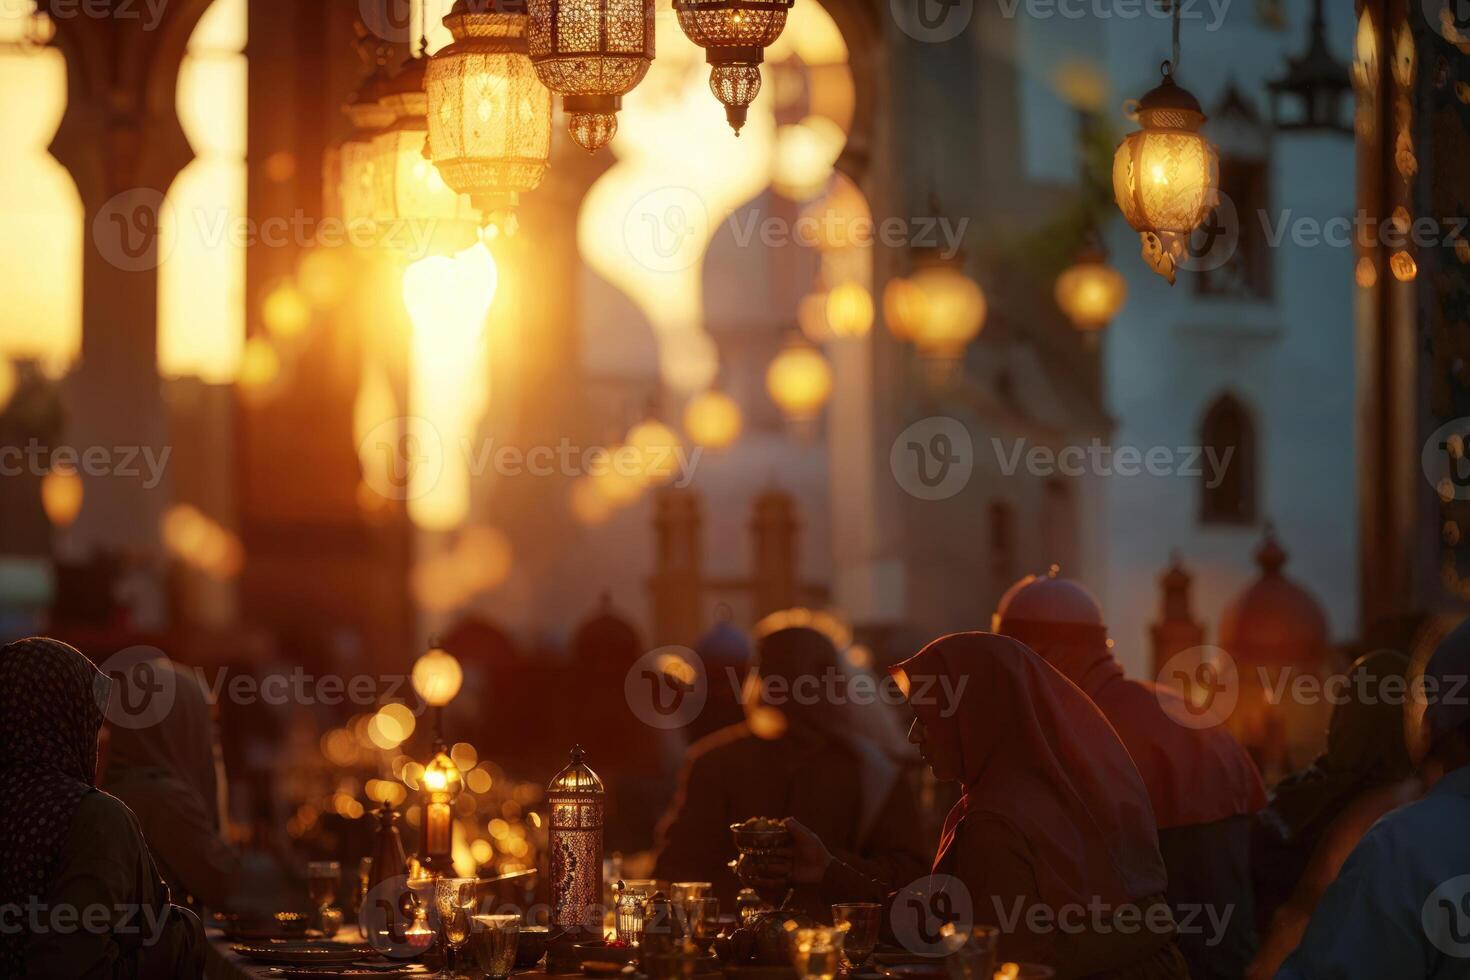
945,308
799,381
713,420
406,184
902,304
576,799
357,160
489,116
1091,292
734,35
1166,175
61,496
593,52
850,310
657,447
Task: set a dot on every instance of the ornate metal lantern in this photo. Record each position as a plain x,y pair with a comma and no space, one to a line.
576,798
734,35
489,116
1166,175
369,115
442,783
593,52
406,184
1091,292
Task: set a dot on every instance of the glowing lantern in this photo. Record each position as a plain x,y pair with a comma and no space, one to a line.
1091,292
368,115
945,308
1166,175
850,310
902,306
588,505
489,116
593,52
437,677
712,420
657,447
799,381
406,185
577,799
441,784
285,311
61,496
734,35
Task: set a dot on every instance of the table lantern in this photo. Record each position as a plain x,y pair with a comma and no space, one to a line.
593,52
576,798
441,783
734,35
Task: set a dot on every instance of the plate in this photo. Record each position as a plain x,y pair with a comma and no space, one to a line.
309,954
333,972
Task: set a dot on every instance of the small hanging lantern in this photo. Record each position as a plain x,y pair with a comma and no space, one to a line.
658,447
593,52
849,309
1091,292
713,420
576,798
489,116
799,381
1166,176
945,308
369,114
734,35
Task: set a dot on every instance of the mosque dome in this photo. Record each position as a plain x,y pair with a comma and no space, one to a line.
1274,621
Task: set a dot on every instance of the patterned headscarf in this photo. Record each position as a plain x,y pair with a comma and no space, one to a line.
51,707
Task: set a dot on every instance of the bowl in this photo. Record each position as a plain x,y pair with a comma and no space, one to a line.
532,946
759,838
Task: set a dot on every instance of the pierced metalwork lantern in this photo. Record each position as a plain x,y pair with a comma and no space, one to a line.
1091,292
592,52
734,35
489,115
1166,176
406,184
441,783
576,798
357,160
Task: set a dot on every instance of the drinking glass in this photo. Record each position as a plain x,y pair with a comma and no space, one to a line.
702,919
629,922
452,900
322,881
976,958
682,891
816,953
493,941
862,920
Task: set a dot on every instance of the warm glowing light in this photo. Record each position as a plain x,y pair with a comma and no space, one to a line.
437,677
949,310
903,304
489,116
197,540
322,277
592,52
1166,175
734,36
619,485
260,366
805,155
8,379
1403,267
588,506
285,311
1091,293
201,278
657,446
61,496
849,310
1366,274
799,380
713,420
448,300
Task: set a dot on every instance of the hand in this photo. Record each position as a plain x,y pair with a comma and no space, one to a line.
808,856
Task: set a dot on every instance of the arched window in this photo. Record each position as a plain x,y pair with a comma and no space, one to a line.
1002,520
1059,526
1228,463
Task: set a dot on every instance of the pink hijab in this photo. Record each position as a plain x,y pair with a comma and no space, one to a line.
1038,754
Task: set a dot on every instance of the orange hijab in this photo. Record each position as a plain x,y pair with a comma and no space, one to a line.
1038,754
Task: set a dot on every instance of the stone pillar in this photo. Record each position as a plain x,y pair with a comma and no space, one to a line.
1176,630
677,584
773,571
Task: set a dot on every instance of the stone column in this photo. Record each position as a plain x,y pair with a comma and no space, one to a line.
677,584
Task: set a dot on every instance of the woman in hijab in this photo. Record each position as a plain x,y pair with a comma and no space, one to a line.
1053,837
76,874
1317,816
164,765
1400,906
808,749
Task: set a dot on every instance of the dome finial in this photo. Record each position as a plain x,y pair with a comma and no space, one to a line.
1271,556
